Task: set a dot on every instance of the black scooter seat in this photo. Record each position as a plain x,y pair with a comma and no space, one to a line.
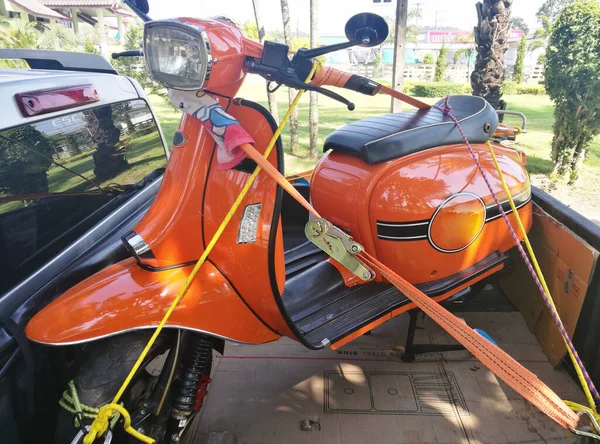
389,136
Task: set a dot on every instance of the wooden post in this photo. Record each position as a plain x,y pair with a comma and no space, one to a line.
121,29
399,49
102,32
75,21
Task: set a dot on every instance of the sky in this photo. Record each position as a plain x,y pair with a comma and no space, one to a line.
334,13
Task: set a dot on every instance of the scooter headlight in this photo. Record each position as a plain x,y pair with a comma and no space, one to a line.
177,54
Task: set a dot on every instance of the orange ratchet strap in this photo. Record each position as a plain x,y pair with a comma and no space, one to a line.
335,77
493,357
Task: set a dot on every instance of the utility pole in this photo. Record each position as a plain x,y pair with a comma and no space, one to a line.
418,8
436,18
399,49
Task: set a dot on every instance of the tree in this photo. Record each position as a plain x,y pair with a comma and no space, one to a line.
550,9
287,32
460,53
25,157
55,37
412,30
251,29
109,160
440,64
261,37
313,111
130,66
428,59
518,68
519,23
491,38
572,67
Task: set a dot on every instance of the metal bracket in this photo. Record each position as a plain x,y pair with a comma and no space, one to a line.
339,246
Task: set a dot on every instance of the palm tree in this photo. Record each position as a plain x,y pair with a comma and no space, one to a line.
261,38
19,34
287,35
491,37
313,112
541,35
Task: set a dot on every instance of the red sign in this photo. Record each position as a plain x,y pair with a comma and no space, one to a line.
463,36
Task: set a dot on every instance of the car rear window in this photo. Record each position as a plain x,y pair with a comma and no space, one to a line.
60,176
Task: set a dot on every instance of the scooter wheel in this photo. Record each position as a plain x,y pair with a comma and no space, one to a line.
107,364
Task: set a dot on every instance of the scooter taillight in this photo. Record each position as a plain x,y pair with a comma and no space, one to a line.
49,100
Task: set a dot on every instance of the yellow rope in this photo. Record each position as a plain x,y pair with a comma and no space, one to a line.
100,424
574,406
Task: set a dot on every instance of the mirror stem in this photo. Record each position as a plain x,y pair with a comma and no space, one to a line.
305,54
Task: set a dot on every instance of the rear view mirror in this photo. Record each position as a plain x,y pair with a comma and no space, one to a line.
369,28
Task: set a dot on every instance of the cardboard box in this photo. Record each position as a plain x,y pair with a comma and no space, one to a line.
520,288
282,393
568,291
568,264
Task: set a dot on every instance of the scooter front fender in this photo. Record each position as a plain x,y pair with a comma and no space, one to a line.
124,297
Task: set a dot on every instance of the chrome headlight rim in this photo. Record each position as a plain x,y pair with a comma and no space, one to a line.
189,29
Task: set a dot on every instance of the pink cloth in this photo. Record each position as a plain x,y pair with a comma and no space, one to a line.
225,129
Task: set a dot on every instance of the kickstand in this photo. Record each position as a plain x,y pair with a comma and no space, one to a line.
411,350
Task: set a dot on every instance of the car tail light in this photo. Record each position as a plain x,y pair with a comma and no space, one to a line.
45,101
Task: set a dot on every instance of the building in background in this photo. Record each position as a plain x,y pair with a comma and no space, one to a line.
376,62
108,16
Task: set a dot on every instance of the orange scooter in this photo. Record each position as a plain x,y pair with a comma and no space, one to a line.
402,186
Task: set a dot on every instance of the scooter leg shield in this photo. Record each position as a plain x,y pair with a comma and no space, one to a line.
125,297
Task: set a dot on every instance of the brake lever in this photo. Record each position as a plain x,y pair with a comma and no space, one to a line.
298,84
290,78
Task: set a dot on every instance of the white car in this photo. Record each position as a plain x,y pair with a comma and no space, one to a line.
81,158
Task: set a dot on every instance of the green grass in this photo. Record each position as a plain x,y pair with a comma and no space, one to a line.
332,115
536,143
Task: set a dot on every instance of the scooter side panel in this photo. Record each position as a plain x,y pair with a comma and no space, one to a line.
124,297
427,215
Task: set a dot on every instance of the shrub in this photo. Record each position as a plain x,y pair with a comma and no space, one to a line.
534,90
518,69
541,60
509,88
572,67
428,59
440,89
440,64
407,89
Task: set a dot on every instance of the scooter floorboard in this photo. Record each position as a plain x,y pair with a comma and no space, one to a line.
324,310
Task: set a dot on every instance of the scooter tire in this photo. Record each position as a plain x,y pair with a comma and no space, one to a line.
100,376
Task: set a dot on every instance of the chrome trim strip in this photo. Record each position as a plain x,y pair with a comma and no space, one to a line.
491,219
462,193
515,197
399,224
402,238
144,327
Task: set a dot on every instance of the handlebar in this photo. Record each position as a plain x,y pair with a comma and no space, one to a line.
326,76
341,79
